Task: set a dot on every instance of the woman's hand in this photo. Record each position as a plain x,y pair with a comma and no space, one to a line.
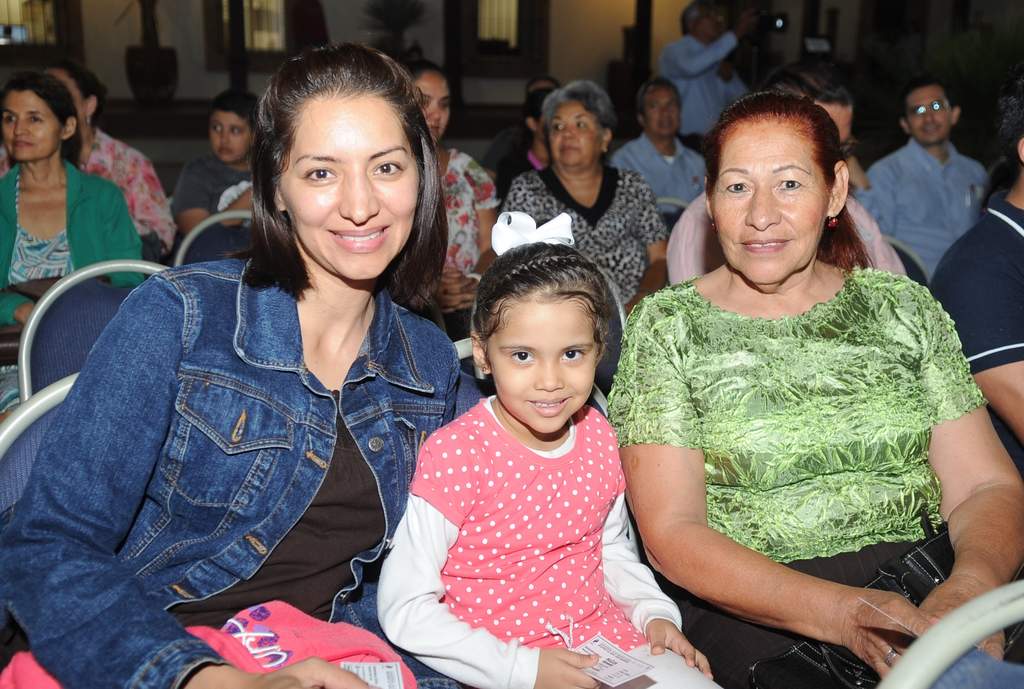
22,312
662,634
954,592
455,291
560,668
878,625
307,674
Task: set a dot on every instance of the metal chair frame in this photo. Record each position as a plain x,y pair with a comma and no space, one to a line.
955,634
26,414
909,253
189,239
28,333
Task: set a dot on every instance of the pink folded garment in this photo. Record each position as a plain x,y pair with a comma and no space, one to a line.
260,639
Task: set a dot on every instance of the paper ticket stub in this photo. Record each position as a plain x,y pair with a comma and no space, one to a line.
616,666
378,675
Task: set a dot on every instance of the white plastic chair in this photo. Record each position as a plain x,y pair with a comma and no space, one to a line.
916,269
28,333
671,201
955,634
16,460
210,221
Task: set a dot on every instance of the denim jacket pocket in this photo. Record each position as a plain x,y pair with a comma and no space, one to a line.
414,423
228,440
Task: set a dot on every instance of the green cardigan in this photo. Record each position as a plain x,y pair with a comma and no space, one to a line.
98,225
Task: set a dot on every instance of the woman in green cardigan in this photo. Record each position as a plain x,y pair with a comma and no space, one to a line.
53,217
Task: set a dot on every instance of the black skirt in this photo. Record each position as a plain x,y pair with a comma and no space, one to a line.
732,645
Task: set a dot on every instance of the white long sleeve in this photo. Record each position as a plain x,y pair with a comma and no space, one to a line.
688,57
631,583
414,618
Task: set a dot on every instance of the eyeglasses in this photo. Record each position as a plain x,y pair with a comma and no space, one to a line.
934,106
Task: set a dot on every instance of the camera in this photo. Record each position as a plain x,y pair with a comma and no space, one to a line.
768,22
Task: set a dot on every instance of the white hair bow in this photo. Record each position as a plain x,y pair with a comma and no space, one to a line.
518,229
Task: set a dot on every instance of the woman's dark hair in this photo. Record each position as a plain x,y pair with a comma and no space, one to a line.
342,71
57,98
88,84
840,246
418,67
546,272
241,103
534,103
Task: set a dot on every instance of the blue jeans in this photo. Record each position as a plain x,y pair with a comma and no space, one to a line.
977,670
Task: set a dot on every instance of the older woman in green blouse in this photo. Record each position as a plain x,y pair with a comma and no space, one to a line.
789,420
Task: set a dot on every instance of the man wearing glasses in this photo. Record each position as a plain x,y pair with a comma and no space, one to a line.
926,194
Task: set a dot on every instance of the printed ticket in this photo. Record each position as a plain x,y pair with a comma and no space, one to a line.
377,675
616,666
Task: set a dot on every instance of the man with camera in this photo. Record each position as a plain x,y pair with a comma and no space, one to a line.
696,64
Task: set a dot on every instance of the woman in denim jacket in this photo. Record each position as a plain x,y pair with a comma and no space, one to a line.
245,430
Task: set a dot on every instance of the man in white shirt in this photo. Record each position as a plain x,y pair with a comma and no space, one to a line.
667,166
926,194
696,64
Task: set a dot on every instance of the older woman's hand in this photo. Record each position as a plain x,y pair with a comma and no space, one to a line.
951,594
456,291
877,625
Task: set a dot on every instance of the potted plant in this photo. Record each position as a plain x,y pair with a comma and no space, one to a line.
152,69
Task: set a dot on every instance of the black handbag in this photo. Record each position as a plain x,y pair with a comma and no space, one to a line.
816,665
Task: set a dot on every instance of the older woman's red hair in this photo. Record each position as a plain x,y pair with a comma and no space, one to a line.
840,245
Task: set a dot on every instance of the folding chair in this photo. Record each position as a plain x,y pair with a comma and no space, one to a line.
955,634
66,321
21,434
210,240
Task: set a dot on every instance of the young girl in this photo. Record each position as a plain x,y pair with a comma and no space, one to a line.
515,546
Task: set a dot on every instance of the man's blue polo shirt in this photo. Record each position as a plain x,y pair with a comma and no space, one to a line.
926,204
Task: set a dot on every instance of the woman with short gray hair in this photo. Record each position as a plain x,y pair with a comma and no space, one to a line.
614,217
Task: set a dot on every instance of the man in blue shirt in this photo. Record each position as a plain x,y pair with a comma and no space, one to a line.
695,64
980,282
669,168
926,194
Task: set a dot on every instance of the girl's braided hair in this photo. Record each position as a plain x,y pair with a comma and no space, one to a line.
546,272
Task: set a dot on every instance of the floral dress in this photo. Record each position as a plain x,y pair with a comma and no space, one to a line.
467,188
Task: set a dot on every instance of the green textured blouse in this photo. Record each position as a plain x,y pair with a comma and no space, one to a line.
814,428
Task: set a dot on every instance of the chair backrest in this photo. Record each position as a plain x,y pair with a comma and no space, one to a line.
210,240
912,263
66,321
21,434
670,208
473,387
955,634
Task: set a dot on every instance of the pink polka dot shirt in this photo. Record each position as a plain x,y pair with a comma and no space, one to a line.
527,560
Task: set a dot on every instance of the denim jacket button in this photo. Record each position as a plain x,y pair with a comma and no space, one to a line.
376,444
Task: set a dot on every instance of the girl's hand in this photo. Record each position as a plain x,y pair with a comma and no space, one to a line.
876,637
560,668
663,634
307,674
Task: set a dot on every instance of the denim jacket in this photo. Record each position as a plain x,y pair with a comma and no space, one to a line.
191,443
